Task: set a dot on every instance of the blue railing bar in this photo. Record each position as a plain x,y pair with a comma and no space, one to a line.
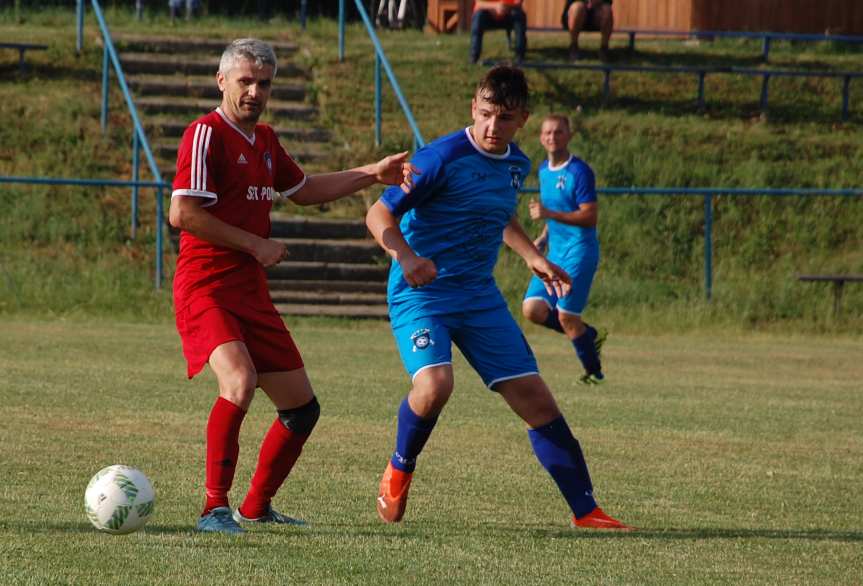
341,31
733,191
776,36
160,213
136,163
103,117
378,101
83,182
684,69
304,12
708,246
133,112
393,81
79,26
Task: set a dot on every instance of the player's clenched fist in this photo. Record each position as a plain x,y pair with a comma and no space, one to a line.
418,271
537,211
270,252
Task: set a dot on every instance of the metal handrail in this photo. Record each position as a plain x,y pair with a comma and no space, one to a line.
708,193
380,61
139,136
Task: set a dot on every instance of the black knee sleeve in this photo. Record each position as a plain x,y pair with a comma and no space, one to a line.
301,420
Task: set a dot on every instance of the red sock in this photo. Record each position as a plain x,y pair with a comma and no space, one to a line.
279,451
223,432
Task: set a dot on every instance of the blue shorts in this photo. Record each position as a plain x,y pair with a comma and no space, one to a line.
489,339
581,272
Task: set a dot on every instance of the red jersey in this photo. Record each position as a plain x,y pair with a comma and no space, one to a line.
238,176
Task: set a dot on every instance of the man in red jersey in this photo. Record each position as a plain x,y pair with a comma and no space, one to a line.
229,171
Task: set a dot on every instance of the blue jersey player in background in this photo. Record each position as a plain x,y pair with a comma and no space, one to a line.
568,206
444,230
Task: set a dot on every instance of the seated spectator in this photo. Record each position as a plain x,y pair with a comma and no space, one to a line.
498,14
588,15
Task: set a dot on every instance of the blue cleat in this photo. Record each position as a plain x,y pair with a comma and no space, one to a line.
219,520
271,516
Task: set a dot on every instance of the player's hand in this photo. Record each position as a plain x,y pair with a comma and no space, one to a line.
270,252
537,210
396,170
555,279
418,271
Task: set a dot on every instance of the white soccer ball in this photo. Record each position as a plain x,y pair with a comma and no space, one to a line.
119,499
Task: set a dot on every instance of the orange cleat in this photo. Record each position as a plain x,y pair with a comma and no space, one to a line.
597,519
393,494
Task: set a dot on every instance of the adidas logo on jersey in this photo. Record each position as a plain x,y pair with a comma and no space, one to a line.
242,160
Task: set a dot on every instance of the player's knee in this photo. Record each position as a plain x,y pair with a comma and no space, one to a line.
432,389
537,312
301,420
238,386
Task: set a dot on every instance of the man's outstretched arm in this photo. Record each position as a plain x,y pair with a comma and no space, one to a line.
391,170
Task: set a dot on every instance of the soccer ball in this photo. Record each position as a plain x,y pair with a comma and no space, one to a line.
119,499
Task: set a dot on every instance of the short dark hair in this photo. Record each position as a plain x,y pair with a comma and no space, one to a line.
559,118
504,86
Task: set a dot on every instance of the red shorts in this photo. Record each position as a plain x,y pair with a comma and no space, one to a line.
205,325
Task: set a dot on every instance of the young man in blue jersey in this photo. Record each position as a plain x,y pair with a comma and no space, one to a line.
443,231
568,205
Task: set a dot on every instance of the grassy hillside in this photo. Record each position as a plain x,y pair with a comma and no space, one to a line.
650,134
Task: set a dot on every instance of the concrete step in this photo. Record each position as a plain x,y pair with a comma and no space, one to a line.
328,298
286,226
186,45
161,64
166,149
194,107
329,271
351,311
290,135
328,251
202,87
278,285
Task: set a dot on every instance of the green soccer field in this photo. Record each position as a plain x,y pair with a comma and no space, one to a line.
738,457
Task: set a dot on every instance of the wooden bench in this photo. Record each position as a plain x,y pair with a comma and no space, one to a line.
838,285
22,48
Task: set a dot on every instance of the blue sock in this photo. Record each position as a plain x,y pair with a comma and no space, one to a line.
586,351
560,453
552,321
411,436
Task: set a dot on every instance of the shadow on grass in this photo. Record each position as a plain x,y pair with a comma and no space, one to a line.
697,534
12,73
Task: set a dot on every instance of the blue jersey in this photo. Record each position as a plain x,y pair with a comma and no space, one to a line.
455,215
563,189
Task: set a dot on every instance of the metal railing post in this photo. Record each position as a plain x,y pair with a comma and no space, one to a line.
159,229
79,20
708,246
765,49
765,84
700,102
378,100
136,173
105,73
304,12
341,31
846,83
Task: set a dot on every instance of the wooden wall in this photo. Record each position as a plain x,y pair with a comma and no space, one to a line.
799,16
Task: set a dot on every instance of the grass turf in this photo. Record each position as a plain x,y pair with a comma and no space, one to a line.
736,455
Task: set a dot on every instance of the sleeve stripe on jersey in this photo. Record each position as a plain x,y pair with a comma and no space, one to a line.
295,188
200,144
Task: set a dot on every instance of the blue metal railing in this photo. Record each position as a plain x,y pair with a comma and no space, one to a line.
381,61
766,37
708,193
701,72
139,136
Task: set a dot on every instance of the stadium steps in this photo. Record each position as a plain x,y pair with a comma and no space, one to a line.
334,268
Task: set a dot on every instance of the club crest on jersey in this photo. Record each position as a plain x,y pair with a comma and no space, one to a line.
561,182
242,160
269,161
515,173
422,339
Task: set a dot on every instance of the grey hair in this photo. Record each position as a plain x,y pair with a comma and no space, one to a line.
254,50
